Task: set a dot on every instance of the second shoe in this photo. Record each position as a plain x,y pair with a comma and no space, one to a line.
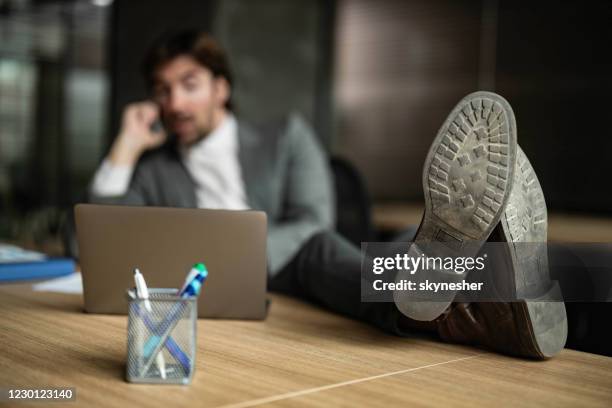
533,322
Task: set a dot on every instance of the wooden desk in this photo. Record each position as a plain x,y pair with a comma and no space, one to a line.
300,356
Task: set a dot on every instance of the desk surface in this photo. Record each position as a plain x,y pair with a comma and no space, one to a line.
300,356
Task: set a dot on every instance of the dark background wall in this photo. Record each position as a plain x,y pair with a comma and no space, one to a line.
375,78
281,52
554,65
401,67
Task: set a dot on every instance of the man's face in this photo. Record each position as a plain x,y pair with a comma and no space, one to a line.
191,99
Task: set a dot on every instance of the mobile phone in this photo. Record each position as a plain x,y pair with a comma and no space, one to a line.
156,126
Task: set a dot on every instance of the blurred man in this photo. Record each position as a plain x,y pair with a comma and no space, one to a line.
205,156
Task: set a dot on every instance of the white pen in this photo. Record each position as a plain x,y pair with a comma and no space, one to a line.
141,289
143,293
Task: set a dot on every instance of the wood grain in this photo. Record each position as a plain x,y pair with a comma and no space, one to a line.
300,355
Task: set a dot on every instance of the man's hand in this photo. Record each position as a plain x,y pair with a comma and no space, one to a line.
136,135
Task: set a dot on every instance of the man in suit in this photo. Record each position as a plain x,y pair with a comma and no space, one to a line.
205,156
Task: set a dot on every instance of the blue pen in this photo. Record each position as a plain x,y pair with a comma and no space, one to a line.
192,287
197,269
193,284
173,347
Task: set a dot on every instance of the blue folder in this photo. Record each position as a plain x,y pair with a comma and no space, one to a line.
40,269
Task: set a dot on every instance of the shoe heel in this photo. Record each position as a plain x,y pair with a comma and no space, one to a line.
547,322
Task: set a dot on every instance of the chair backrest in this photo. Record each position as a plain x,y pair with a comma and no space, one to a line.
353,206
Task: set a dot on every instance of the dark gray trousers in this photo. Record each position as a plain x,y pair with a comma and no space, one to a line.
327,271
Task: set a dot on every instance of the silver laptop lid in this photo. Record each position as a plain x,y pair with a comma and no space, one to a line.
164,243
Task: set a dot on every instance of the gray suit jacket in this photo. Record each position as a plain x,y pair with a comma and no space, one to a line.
285,172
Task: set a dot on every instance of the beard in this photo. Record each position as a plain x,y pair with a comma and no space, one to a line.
194,140
201,130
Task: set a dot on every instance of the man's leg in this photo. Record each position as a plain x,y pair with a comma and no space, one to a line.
327,271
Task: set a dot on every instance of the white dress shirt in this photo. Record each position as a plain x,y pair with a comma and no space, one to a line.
212,162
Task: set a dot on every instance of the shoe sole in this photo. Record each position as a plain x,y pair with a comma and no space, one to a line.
525,221
467,179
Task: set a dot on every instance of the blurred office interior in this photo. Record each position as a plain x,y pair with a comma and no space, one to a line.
375,78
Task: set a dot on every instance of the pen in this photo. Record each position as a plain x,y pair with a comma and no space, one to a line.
143,293
196,269
173,347
141,289
192,287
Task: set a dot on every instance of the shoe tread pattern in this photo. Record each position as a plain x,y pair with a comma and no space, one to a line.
468,176
525,212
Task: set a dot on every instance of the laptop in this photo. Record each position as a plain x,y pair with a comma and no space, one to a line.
164,243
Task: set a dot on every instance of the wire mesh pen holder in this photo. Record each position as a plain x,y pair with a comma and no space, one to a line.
165,324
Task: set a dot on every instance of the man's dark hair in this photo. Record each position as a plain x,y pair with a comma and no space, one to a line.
196,44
